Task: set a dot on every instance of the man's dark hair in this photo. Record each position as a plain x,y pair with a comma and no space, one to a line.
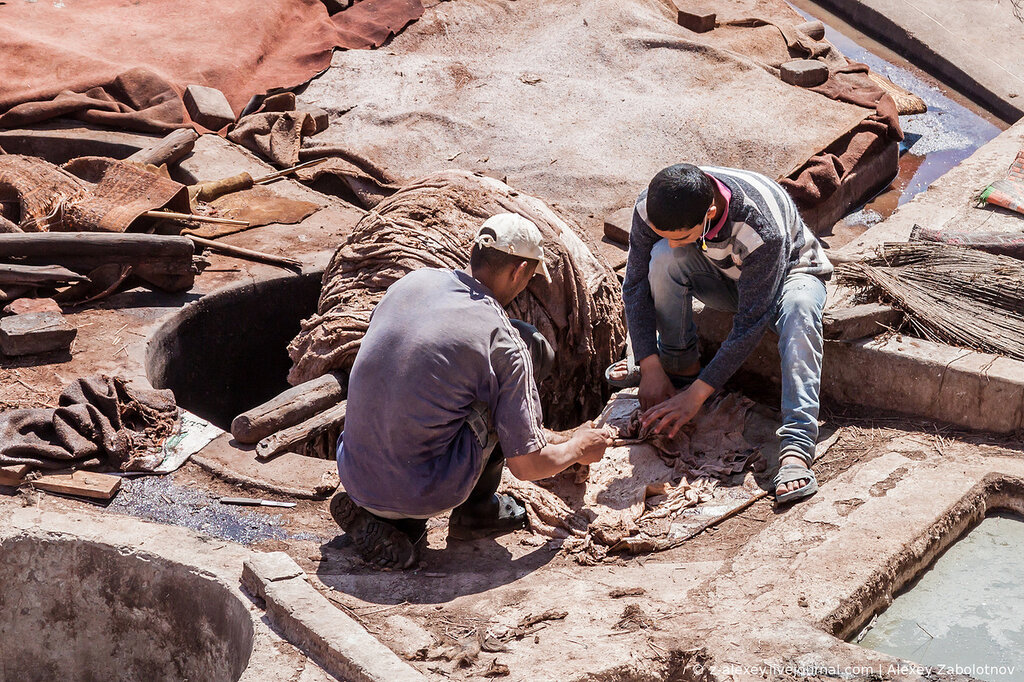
493,260
678,197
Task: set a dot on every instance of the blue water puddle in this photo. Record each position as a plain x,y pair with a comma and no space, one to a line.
158,498
966,612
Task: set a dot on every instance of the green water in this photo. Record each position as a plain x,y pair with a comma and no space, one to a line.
966,613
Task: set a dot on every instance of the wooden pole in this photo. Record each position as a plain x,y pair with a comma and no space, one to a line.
294,436
171,149
94,247
195,218
38,274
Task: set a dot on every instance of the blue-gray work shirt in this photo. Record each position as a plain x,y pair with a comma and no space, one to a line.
437,342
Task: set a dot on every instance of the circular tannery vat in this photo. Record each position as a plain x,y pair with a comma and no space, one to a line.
75,609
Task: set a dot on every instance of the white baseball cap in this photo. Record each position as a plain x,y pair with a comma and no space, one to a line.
515,235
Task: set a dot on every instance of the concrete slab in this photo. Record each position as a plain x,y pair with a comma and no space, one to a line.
953,39
775,601
900,375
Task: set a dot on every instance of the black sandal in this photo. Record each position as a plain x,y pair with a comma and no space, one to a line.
499,515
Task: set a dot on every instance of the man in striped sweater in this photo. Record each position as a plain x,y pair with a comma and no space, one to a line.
735,240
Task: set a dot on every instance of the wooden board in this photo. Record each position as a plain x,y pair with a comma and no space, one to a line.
13,475
80,484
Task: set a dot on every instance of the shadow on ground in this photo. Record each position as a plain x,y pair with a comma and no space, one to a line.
449,569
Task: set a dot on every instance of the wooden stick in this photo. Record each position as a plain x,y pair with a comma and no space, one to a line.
172,148
246,254
286,440
291,407
287,171
195,218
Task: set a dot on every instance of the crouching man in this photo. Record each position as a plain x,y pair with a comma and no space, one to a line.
443,393
735,240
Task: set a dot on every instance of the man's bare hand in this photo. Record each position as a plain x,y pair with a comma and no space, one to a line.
655,386
671,415
591,443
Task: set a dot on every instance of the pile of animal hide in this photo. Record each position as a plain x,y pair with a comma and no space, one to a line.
99,421
644,480
432,223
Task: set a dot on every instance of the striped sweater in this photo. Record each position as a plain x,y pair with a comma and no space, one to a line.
763,240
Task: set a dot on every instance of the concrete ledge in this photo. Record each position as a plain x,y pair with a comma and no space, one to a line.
904,375
287,474
336,642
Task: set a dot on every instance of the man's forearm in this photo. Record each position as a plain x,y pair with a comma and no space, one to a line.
552,459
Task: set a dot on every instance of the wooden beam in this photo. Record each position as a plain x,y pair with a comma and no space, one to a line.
289,408
155,258
94,247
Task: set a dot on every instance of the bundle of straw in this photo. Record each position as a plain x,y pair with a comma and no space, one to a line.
949,294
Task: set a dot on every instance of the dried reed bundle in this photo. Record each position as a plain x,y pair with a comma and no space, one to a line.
949,294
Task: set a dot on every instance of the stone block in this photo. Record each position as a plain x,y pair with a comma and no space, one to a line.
267,567
34,333
208,107
23,306
812,29
859,321
618,224
804,72
697,19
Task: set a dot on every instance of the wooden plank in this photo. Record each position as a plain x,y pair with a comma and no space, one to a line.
80,484
13,475
295,436
289,408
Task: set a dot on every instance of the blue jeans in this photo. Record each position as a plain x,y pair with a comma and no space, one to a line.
677,275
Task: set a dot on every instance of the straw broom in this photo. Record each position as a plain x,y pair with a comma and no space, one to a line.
949,294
